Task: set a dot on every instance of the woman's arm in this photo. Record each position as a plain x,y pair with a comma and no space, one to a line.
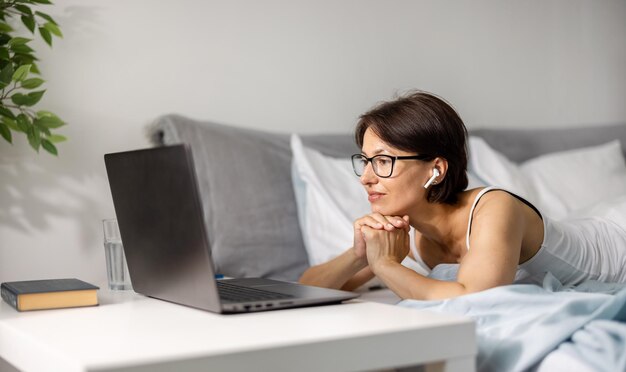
346,271
496,239
408,284
350,270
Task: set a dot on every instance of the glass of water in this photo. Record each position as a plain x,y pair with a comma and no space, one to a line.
117,270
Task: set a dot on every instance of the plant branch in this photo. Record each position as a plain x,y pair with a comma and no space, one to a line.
23,110
5,96
5,5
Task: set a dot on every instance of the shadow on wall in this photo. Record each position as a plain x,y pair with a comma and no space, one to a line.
32,194
81,24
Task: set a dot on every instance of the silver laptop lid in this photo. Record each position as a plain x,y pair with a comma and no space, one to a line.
168,258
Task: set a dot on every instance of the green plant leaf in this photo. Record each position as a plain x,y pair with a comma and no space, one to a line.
45,16
44,113
54,29
6,113
32,83
48,146
4,38
11,124
21,73
29,99
45,34
23,122
34,97
18,41
34,69
6,132
19,99
45,131
4,54
23,59
5,27
46,123
6,74
34,138
41,2
29,22
24,9
48,120
21,48
56,138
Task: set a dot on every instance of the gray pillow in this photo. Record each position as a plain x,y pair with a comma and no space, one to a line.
244,179
245,185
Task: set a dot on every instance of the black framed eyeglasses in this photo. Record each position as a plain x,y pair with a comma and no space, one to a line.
381,164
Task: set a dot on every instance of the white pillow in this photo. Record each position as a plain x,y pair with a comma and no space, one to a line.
473,181
495,169
329,197
557,183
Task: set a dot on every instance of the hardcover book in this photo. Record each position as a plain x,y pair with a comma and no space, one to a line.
49,294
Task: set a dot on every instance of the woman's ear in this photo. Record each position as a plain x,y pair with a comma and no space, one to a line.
438,173
441,164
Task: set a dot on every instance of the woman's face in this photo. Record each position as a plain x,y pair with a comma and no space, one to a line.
402,191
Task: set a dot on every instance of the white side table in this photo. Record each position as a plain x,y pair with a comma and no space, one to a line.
130,332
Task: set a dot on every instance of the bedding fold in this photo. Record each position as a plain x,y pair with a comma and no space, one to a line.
518,325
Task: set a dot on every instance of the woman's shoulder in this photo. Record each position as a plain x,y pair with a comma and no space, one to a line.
493,199
470,197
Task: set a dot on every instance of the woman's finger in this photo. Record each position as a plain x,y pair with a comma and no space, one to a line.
398,222
390,223
369,221
405,218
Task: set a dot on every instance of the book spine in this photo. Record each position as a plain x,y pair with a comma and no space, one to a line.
9,296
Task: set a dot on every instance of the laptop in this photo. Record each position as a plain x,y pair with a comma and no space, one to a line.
159,213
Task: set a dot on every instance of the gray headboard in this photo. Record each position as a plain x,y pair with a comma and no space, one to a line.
516,144
523,144
244,177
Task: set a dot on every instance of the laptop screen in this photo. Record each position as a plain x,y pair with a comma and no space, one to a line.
161,223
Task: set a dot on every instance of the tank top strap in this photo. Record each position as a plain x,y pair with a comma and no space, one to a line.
471,213
477,199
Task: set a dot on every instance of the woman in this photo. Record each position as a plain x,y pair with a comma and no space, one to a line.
413,165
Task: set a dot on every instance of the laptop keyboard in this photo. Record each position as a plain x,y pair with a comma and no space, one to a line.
236,293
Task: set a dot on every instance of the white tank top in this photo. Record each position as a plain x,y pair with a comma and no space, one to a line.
572,250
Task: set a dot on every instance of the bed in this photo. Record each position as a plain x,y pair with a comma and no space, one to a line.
295,197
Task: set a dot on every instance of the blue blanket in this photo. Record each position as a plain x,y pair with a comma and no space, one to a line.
519,324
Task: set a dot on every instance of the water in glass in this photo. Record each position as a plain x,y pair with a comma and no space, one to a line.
117,270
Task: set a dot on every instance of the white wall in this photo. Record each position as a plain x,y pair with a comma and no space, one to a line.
306,66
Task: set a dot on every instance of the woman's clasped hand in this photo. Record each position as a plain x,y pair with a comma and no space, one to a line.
380,239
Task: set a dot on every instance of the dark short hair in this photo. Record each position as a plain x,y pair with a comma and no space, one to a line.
423,123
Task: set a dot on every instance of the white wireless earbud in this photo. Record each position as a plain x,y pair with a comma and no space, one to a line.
432,179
